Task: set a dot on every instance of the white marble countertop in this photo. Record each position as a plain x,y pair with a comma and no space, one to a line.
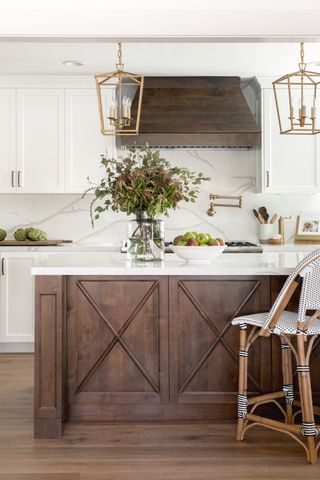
115,247
108,263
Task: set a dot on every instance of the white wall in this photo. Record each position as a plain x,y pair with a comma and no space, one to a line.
67,216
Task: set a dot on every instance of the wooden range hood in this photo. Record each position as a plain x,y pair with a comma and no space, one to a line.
194,112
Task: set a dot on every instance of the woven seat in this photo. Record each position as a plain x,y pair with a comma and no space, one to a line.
297,331
287,323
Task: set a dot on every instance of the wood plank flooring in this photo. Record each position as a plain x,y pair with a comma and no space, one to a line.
193,451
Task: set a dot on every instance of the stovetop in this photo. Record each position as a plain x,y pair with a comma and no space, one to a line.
242,247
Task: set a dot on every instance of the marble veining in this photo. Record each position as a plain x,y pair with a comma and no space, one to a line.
66,216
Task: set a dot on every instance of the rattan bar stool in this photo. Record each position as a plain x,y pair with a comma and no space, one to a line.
297,332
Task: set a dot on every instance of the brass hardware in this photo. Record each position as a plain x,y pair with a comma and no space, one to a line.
19,178
117,117
211,210
12,178
302,116
2,267
268,179
281,229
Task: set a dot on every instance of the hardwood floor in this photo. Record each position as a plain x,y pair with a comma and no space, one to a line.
193,451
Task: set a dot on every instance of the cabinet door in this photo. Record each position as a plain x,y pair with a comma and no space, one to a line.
40,140
117,351
17,297
290,162
7,140
84,142
204,345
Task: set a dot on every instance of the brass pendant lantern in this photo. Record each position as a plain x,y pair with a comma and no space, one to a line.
116,91
297,101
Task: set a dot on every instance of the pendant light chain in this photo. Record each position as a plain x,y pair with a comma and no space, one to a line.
302,52
119,65
302,65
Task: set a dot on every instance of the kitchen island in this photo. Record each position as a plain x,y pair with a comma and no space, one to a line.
123,342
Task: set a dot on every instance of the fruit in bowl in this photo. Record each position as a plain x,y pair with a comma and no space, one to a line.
196,247
195,239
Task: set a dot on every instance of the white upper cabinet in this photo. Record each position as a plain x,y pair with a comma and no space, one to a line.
40,140
290,163
7,140
84,142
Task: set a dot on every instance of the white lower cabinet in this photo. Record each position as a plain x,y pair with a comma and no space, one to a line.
17,301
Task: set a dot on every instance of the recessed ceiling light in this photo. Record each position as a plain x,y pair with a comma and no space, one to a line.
72,63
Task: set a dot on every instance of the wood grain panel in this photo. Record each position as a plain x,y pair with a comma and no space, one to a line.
49,357
117,342
48,313
204,345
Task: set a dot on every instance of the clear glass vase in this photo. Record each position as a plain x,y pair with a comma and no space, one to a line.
145,238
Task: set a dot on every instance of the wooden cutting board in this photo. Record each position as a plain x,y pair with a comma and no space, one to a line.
30,243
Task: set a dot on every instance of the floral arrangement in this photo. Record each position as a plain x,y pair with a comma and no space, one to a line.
143,181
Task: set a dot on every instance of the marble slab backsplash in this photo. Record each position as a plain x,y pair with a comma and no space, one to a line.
66,216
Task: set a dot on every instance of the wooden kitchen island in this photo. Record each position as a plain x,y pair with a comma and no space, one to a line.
117,342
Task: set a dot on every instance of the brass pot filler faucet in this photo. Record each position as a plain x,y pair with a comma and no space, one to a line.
211,210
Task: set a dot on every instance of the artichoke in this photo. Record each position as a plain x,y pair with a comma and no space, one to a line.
28,229
20,235
35,234
3,234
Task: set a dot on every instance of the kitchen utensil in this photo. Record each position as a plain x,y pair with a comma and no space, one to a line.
261,219
256,214
263,212
274,218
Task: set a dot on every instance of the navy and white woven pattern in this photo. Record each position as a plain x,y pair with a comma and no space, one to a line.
288,393
287,323
310,298
242,406
309,429
309,270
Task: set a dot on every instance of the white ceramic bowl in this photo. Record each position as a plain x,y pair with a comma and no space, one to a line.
198,254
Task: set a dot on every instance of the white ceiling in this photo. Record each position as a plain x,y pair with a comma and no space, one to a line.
243,59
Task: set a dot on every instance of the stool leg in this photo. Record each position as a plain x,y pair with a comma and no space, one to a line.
309,429
287,378
242,391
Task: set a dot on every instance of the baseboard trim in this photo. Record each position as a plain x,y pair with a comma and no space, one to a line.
16,347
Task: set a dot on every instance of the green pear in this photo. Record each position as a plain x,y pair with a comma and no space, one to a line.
188,235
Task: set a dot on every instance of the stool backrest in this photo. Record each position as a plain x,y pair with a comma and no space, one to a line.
308,270
310,290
